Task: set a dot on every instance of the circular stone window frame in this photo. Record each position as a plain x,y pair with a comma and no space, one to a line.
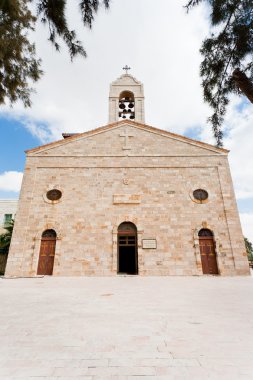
52,202
197,200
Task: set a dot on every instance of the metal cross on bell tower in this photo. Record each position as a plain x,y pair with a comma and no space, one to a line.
126,68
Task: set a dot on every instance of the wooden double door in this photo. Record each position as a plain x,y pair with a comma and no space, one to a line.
47,253
207,252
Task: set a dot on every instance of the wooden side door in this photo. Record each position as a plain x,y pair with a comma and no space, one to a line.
47,253
208,255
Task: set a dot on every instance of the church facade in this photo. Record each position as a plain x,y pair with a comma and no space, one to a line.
127,198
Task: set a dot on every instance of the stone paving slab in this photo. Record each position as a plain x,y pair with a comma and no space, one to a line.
126,328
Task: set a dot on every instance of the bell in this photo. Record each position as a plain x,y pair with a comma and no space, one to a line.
122,106
123,117
131,105
129,110
124,111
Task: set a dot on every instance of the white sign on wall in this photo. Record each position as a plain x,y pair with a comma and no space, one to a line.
149,244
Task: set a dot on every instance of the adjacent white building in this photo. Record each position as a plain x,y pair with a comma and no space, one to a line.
8,209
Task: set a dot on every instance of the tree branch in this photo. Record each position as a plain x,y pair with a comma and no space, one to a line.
244,83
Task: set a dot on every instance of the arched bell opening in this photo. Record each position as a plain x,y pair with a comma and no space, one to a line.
126,106
47,253
207,252
127,248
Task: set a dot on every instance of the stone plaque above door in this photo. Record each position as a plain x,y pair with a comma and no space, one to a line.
126,198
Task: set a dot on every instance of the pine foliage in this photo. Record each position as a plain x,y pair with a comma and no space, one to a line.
5,238
249,249
18,63
227,66
19,66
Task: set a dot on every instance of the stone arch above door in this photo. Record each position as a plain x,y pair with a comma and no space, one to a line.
50,226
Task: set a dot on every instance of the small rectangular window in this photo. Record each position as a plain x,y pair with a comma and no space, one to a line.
7,219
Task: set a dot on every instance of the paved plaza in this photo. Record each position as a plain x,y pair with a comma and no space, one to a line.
126,328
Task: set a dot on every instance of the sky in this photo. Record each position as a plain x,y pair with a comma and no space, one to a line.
160,42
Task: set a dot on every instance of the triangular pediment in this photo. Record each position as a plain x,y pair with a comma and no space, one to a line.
126,138
126,79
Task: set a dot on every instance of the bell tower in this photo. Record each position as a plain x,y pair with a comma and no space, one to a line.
126,99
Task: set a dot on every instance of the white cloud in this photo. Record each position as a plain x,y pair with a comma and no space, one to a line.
11,181
238,139
239,123
164,55
247,225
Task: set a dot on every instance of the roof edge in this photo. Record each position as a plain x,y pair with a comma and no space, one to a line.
75,136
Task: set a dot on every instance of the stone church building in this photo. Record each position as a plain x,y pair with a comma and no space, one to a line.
127,198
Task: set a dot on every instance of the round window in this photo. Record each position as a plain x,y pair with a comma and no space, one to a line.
200,194
54,195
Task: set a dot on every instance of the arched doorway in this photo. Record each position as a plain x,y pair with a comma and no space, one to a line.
47,252
127,248
207,252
